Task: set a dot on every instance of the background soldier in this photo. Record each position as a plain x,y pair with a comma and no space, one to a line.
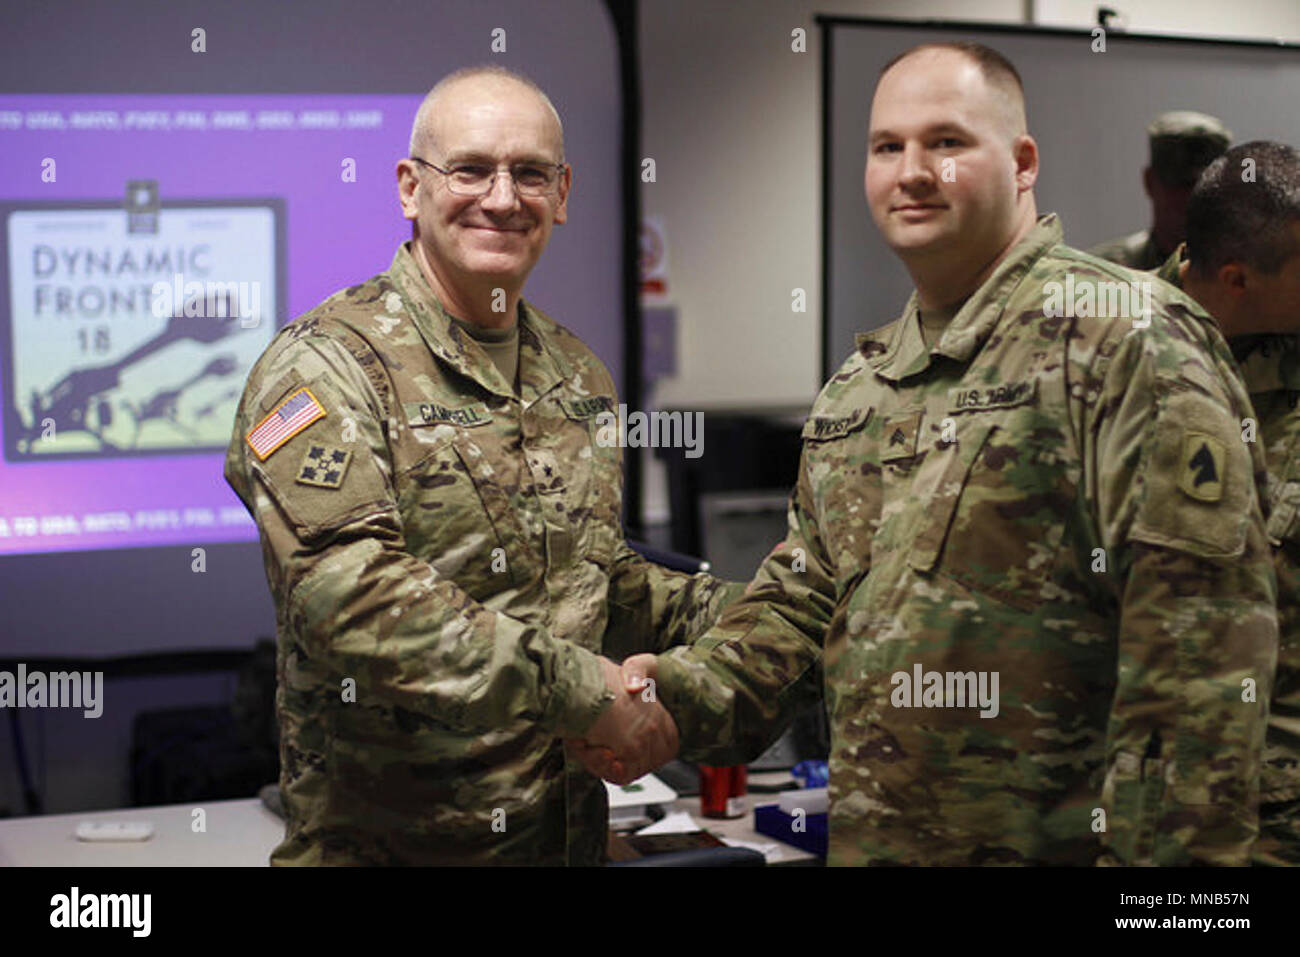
1182,144
1242,263
442,531
1026,558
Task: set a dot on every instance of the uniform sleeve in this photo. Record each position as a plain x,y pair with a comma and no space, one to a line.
652,608
735,689
1178,512
347,588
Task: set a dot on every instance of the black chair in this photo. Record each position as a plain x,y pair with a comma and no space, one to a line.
674,561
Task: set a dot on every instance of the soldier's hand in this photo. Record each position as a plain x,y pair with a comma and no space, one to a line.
634,735
636,670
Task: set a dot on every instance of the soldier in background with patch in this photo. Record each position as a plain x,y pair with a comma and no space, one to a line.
1241,262
1182,144
1026,563
442,531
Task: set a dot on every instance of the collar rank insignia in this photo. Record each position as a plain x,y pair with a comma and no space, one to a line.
324,466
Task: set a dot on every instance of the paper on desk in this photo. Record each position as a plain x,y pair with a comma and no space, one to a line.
678,822
644,790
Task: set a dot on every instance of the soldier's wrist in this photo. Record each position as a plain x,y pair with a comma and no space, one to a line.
673,687
580,695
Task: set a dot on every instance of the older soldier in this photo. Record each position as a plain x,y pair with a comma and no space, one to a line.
1182,144
1026,556
442,531
1242,263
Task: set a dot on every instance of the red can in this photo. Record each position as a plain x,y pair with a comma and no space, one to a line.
722,791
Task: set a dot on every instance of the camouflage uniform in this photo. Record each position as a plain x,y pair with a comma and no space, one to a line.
454,552
1136,251
1182,144
953,509
1270,366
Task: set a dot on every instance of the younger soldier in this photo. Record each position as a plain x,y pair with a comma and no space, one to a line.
1026,561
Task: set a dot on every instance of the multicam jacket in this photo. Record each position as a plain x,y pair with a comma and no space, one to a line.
1270,369
1136,250
447,563
1049,506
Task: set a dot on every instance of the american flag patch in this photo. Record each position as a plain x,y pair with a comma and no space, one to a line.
284,422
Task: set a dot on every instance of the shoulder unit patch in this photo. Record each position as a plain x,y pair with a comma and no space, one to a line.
324,466
1201,472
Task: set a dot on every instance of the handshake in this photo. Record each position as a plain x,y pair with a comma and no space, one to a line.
635,734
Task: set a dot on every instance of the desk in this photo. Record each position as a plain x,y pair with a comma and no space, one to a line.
239,834
742,829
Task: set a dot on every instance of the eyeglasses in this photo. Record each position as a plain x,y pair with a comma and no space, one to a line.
477,179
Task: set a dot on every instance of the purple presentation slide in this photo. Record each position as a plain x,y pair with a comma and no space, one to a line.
152,245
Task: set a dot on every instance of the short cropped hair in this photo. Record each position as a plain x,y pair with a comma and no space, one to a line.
420,137
1242,209
998,71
